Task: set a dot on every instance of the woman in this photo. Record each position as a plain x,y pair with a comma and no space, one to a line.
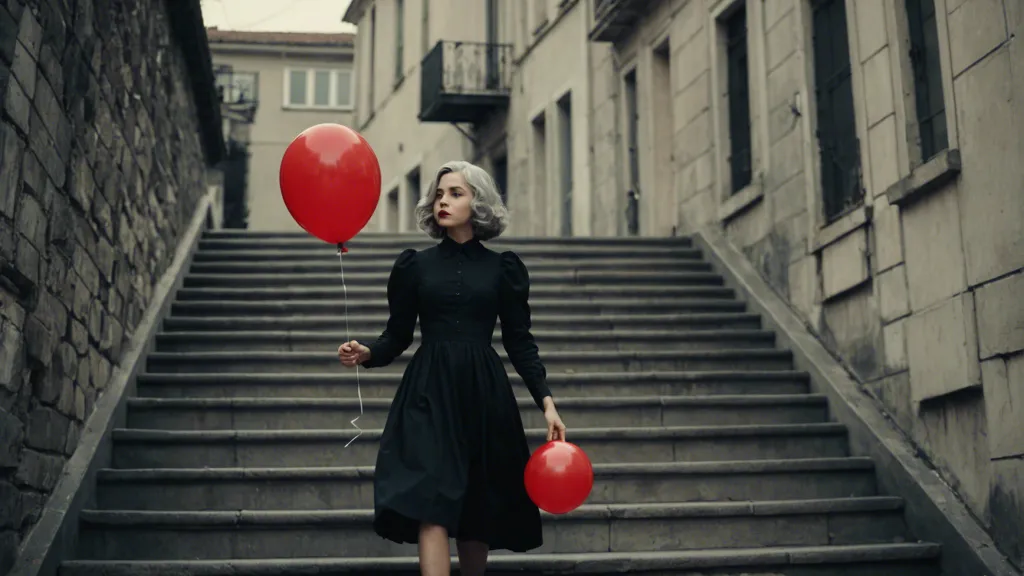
453,449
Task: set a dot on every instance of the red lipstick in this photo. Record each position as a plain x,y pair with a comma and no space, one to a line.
443,214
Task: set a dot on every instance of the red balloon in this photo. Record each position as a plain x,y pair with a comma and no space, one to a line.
330,182
559,477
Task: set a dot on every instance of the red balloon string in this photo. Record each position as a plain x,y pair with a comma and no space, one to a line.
330,184
348,338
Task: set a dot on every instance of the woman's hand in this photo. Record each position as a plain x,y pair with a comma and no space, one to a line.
352,353
556,430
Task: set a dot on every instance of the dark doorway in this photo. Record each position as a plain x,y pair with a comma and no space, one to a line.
235,167
501,176
633,151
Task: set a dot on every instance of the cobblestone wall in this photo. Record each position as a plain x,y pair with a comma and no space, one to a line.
100,168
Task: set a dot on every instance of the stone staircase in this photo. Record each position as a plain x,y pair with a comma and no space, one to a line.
711,455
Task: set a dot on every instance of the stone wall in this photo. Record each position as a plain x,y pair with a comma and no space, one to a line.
101,166
918,287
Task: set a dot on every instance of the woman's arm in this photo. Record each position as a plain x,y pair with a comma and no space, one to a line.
402,301
514,312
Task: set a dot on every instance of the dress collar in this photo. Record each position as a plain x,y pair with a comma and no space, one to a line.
472,248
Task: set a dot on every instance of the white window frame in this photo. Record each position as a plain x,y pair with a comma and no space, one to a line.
310,76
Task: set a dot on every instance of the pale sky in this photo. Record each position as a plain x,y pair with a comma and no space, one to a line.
277,15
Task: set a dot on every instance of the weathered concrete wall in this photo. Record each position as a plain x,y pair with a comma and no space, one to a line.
101,166
549,60
387,107
552,66
276,125
608,181
918,288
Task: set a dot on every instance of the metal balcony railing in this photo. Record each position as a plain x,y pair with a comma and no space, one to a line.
614,20
238,92
237,87
464,81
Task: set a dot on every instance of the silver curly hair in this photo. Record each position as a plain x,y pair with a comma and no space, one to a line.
490,216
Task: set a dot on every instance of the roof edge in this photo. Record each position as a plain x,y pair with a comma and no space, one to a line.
355,10
217,36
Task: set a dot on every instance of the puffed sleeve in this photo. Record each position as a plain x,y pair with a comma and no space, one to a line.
398,333
514,312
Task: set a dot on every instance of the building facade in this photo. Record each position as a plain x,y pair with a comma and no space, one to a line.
499,83
285,82
863,154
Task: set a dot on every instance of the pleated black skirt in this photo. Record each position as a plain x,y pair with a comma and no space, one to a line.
453,452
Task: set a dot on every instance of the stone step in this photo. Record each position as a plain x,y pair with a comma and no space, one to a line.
584,412
548,340
324,275
329,259
559,306
134,448
371,322
418,238
358,295
389,252
374,384
153,535
616,270
345,488
911,559
555,362
538,280
326,267
529,255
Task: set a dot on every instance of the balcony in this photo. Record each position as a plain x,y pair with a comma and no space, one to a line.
614,20
464,81
239,93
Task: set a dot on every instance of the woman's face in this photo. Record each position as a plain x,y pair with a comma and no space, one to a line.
452,201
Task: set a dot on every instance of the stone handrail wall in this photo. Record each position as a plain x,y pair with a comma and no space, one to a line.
102,162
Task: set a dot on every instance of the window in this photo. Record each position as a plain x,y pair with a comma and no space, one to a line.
413,193
632,130
924,60
399,39
837,132
738,98
500,169
540,172
318,88
392,215
632,114
564,118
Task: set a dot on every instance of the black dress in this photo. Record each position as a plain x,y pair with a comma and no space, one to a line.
453,450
